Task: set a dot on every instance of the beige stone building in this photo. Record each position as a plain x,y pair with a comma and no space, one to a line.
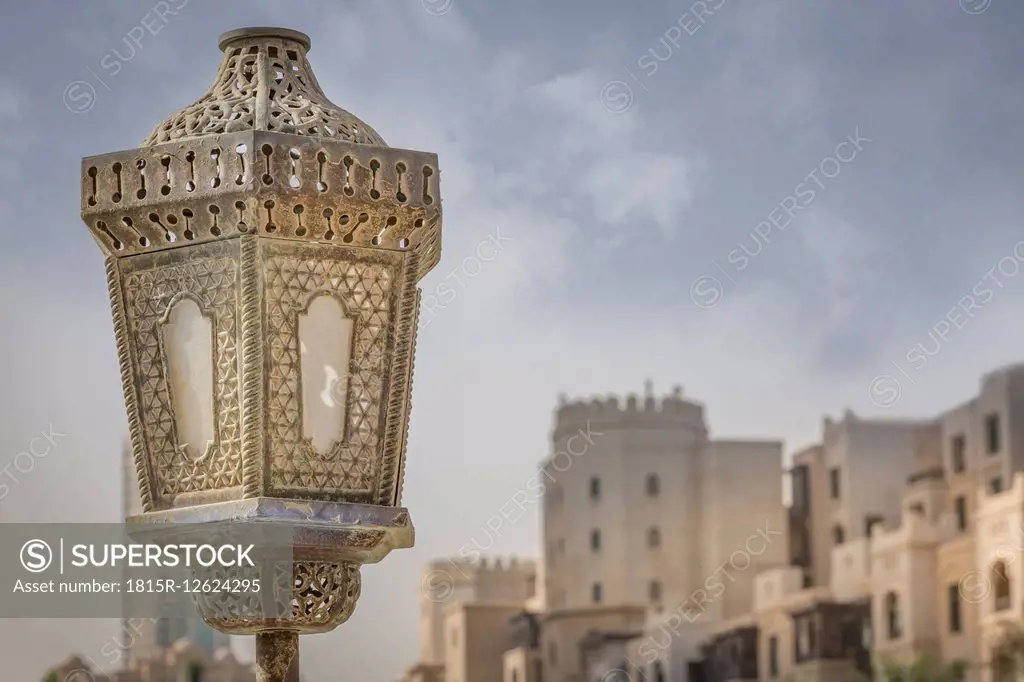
468,618
182,662
908,536
669,556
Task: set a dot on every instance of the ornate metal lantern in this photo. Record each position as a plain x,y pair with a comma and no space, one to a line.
263,250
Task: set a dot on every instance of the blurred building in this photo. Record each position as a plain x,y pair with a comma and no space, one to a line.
150,640
669,555
182,662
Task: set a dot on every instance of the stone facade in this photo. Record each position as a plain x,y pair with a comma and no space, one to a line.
470,613
639,505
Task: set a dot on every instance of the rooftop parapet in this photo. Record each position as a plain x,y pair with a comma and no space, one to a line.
628,411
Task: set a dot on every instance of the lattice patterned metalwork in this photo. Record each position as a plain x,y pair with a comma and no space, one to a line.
265,83
150,288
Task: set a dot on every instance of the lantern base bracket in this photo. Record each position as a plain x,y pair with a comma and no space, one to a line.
357,533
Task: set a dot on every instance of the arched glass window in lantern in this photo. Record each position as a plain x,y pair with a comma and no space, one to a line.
263,252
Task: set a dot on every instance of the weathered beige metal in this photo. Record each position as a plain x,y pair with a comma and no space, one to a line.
222,232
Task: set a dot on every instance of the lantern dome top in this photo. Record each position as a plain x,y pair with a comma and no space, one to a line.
265,83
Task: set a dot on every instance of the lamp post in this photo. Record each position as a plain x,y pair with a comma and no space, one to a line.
263,248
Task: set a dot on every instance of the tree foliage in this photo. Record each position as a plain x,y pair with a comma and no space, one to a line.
924,669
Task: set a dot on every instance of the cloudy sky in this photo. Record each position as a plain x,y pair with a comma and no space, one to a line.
769,205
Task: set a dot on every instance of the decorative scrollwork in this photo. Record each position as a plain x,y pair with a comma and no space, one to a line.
265,83
323,595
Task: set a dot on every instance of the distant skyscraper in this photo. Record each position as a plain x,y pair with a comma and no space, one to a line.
166,631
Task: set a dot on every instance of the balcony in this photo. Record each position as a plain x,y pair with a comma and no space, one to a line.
732,656
828,631
524,631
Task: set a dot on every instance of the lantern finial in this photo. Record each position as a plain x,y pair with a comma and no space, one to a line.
265,83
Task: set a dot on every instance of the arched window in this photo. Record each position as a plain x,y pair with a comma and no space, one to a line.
1000,586
653,537
657,672
893,616
838,535
653,485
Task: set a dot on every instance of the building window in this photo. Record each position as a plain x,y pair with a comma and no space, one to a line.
515,675
653,537
654,591
992,433
596,593
595,540
531,586
961,512
595,488
995,486
1004,664
657,672
838,535
957,448
653,485
773,657
163,633
1000,586
953,597
833,482
805,638
893,616
194,673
